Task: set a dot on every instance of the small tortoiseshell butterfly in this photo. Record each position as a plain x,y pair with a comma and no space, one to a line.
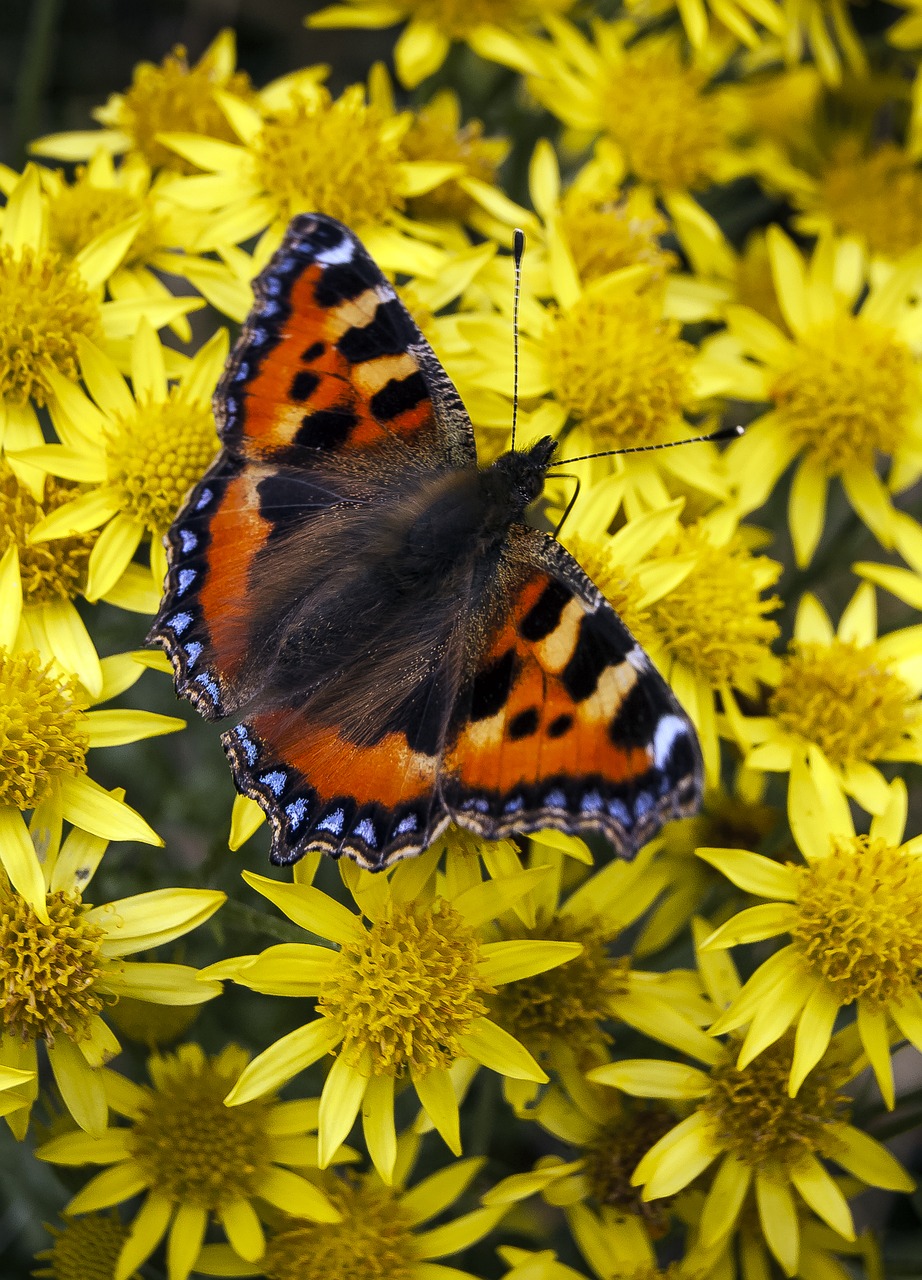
404,650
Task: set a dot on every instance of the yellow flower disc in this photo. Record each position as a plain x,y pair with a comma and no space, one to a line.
42,734
332,157
194,1149
671,130
48,972
408,991
878,198
618,584
841,697
433,137
614,1153
85,1248
44,304
372,1242
858,920
81,212
848,393
175,98
755,1120
156,457
619,368
53,570
607,235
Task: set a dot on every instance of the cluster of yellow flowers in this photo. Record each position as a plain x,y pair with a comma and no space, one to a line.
724,220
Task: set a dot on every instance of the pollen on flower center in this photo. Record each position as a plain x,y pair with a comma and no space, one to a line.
714,619
335,157
49,570
606,235
617,584
44,305
858,919
373,1241
675,145
619,368
847,394
158,455
193,1148
48,972
565,1004
841,697
754,1118
878,197
613,1155
408,991
81,212
42,733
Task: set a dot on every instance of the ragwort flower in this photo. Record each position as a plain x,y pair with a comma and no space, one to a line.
62,966
741,17
382,1233
196,1160
856,937
84,1248
401,995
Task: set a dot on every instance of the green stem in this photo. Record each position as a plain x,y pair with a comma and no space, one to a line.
35,71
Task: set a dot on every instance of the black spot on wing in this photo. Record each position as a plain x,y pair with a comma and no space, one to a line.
491,686
589,659
637,717
524,724
287,500
559,726
341,282
388,334
303,385
399,395
421,716
544,615
325,429
313,352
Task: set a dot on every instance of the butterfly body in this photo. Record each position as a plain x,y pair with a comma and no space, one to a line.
403,648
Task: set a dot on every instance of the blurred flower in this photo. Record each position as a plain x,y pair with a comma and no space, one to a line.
84,1248
741,17
195,1159
824,29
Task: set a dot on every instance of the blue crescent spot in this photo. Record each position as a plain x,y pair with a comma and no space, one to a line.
619,811
333,822
186,579
556,799
179,622
189,540
275,780
591,802
365,830
407,824
296,812
193,651
204,498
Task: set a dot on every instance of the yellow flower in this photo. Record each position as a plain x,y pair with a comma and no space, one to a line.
842,699
401,996
84,1248
824,28
741,17
196,1160
494,29
140,451
856,937
383,1230
62,965
306,151
169,97
845,388
48,305
763,1145
606,85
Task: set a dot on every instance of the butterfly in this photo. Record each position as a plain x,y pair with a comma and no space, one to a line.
399,647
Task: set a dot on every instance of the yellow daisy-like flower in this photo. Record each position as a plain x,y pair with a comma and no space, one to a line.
824,29
856,937
307,151
741,17
61,966
762,1145
161,98
84,1248
823,1253
845,388
382,1233
842,700
196,1160
606,85
47,305
401,995
494,29
141,450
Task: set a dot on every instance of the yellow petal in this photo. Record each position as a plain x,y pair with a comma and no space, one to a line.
790,279
724,1201
432,1195
87,805
173,984
753,925
807,509
25,217
823,1196
872,1028
97,260
80,1085
81,515
295,1195
752,872
814,1031
678,1157
117,1183
246,819
184,1243
146,1231
340,1101
244,1229
378,1125
652,1078
779,1220
495,1048
868,1160
436,1092
154,918
10,597
459,1234
509,961
311,909
71,644
20,861
283,1060
290,969
419,52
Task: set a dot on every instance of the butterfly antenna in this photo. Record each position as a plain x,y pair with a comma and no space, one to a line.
518,249
725,433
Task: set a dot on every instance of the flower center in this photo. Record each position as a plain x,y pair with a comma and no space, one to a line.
191,1146
618,584
49,570
42,732
714,620
176,98
859,922
48,972
44,304
408,991
434,136
756,1121
85,1248
568,1003
607,235
156,457
676,145
613,1155
848,393
335,157
877,197
373,1241
841,697
81,212
619,368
